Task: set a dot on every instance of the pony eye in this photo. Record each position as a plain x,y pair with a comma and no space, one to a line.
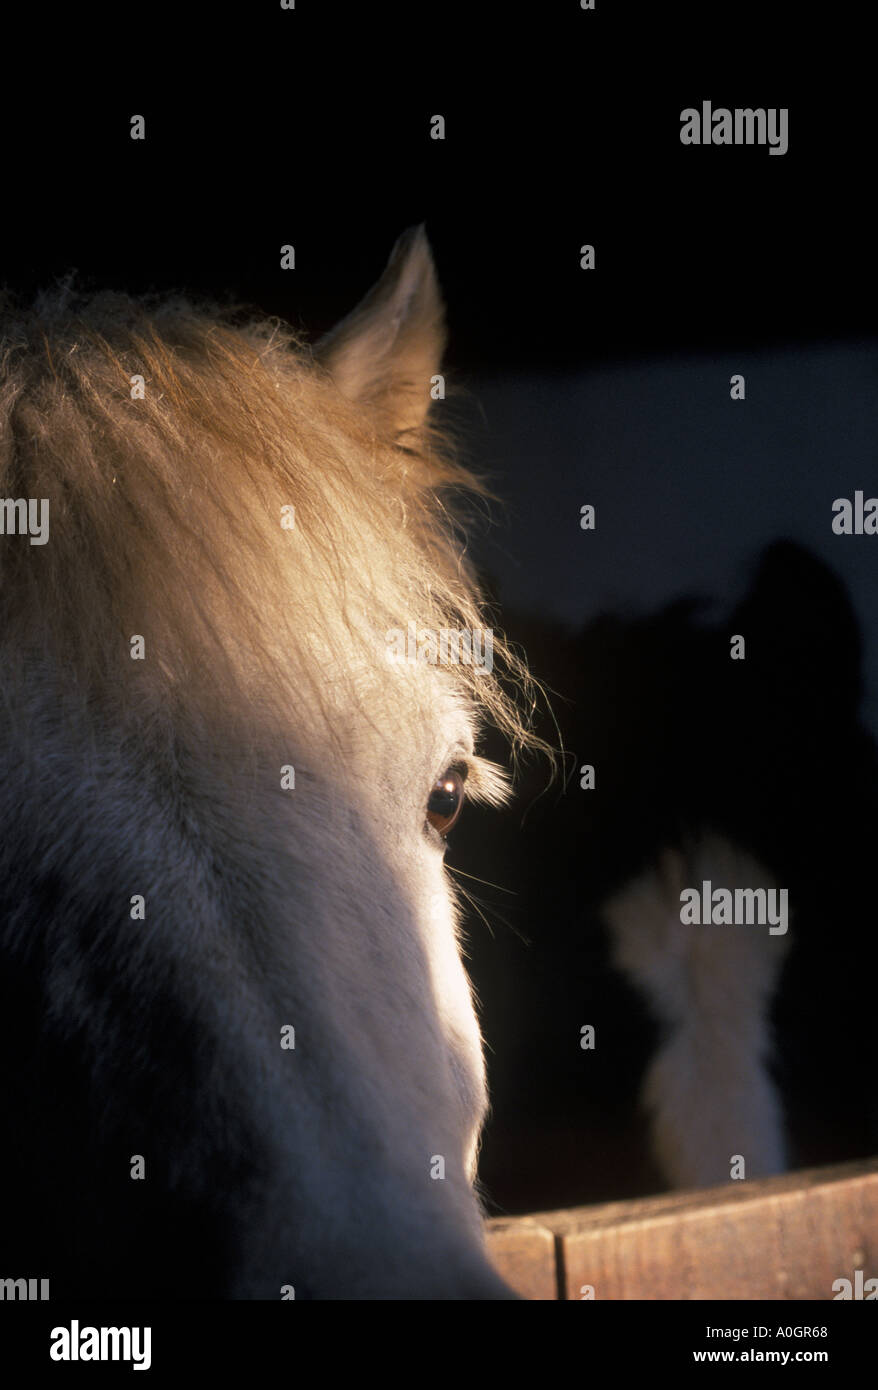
446,800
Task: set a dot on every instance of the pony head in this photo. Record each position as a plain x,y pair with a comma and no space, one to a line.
240,1054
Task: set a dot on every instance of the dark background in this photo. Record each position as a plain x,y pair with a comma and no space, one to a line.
311,127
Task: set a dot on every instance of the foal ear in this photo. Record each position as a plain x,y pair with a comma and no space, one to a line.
385,351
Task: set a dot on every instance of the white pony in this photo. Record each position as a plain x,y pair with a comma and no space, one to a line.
240,1056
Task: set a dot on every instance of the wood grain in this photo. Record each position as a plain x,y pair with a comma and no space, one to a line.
776,1238
524,1253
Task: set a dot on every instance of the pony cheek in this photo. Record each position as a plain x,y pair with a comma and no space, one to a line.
454,1001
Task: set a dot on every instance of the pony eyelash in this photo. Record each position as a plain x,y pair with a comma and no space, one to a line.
486,782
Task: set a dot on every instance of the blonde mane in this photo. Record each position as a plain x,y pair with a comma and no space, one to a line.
166,517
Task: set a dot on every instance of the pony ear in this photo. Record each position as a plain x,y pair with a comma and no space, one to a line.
385,351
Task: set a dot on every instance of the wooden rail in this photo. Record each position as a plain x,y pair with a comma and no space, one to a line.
778,1238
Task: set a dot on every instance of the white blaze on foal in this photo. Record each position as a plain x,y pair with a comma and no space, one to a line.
707,1089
